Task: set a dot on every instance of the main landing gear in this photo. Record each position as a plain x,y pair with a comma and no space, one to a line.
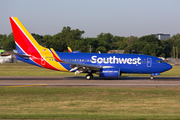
151,77
89,76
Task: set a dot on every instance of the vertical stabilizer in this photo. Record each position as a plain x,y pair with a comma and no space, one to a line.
25,42
27,45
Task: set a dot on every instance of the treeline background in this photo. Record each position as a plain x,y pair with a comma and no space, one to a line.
148,45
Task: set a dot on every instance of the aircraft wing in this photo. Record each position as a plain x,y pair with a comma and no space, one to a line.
55,55
83,67
79,67
69,49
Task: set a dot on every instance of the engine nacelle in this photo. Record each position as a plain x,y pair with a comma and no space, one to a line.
109,72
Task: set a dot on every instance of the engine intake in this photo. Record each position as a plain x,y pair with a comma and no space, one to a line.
109,72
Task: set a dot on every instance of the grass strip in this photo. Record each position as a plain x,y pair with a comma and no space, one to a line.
89,103
91,116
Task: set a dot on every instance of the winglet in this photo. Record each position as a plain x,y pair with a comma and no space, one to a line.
69,49
55,55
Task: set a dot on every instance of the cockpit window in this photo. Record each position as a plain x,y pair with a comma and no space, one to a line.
160,61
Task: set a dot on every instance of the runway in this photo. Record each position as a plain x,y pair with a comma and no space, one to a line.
59,81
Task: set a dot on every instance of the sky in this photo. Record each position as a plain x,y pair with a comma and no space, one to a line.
118,17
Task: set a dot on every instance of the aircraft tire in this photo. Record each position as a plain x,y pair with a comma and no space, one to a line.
89,76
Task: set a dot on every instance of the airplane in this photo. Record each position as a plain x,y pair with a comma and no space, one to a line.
103,64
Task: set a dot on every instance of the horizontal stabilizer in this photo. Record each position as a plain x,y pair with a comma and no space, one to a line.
20,55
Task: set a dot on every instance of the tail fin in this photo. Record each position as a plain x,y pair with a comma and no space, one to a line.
25,42
28,47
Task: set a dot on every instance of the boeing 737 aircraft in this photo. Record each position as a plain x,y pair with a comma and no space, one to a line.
105,65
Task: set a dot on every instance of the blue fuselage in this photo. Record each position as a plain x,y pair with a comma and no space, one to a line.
127,63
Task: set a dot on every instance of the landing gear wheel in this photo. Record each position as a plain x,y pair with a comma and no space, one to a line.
89,76
151,77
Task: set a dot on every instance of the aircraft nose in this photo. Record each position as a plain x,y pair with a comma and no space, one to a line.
168,66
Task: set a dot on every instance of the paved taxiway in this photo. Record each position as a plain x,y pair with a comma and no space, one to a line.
96,82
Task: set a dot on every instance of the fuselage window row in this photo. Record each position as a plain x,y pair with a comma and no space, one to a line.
117,61
81,60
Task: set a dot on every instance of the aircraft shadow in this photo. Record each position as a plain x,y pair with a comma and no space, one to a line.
140,78
83,78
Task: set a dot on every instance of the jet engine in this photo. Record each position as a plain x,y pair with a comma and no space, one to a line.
109,72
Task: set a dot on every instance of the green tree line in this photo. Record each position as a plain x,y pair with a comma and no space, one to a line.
147,45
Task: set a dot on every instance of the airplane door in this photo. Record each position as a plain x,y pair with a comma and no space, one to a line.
149,62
